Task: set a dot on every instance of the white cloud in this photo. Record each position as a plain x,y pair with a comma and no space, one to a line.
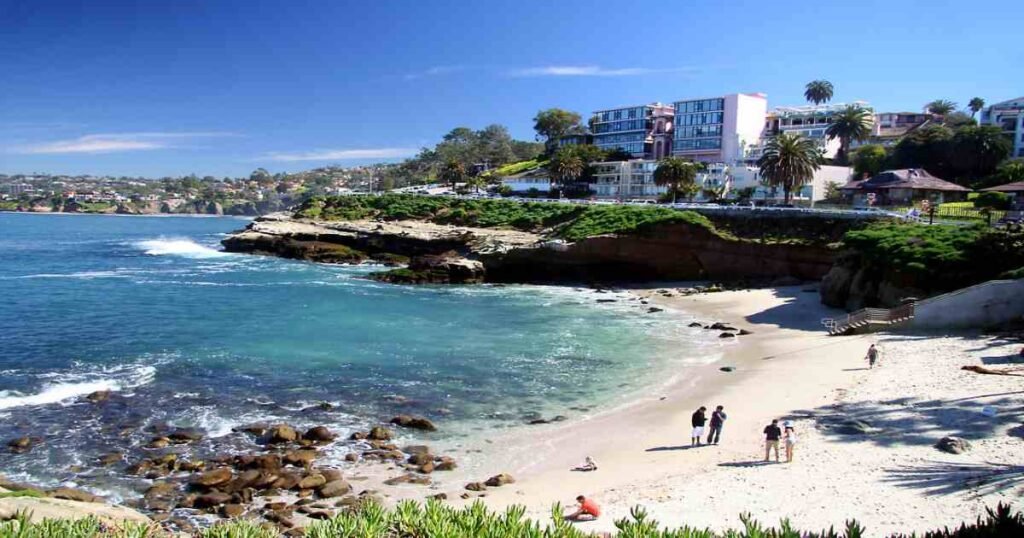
341,154
589,71
111,143
436,71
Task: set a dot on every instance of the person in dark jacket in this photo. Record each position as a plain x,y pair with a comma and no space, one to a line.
717,421
697,420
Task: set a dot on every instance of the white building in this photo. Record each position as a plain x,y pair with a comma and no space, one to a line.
1009,115
809,121
718,129
623,180
745,177
537,179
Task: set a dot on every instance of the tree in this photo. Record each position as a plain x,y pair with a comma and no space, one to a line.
977,151
567,168
869,160
940,107
975,105
525,151
789,161
833,191
618,154
926,147
678,175
495,145
260,175
453,172
956,120
1008,172
818,91
851,123
993,200
554,123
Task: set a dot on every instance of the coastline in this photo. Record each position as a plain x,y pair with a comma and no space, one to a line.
787,369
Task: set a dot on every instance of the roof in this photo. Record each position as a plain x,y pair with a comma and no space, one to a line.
908,178
1009,187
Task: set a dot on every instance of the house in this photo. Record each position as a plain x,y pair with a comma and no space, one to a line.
1015,190
902,187
537,179
815,190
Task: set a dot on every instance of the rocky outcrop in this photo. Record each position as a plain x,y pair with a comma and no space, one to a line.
39,509
447,268
854,283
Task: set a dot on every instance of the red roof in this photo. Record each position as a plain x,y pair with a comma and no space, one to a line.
908,178
1009,187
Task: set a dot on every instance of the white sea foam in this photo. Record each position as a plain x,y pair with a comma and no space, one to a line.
185,248
123,378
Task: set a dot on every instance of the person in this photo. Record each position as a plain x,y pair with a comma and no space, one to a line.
872,356
789,438
717,420
697,421
772,433
588,465
588,510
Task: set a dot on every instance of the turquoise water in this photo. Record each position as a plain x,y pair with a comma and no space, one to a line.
187,335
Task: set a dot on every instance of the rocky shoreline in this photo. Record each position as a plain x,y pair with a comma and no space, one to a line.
434,253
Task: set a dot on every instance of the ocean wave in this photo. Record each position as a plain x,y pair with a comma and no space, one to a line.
118,379
185,248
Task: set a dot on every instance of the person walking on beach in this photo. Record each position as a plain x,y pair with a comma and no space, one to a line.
588,510
872,356
717,420
789,439
772,433
697,421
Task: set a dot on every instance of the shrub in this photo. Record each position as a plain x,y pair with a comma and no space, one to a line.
993,200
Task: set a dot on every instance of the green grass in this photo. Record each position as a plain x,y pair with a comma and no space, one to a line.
8,205
959,211
22,493
436,520
515,168
95,207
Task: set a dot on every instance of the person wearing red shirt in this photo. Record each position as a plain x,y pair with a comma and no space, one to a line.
587,511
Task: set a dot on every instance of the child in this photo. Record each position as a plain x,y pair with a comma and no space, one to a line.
789,438
588,465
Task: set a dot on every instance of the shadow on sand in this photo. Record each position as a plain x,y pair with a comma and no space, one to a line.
666,448
943,478
751,463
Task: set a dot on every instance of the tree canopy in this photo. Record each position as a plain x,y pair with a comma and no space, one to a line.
679,175
851,123
940,107
818,91
869,160
789,161
975,105
554,123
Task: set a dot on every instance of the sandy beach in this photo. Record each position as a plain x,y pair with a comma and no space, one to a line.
890,479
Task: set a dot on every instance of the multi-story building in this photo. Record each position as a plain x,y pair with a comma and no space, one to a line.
809,121
889,127
626,180
718,129
1008,115
642,131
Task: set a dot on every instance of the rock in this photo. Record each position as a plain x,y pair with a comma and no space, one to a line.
267,462
379,433
312,481
212,499
728,368
408,479
287,480
744,332
21,444
727,335
232,510
476,486
500,480
160,490
212,478
282,433
695,324
953,445
447,268
258,429
243,480
191,466
334,488
719,326
652,310
358,436
98,396
426,468
420,458
439,496
414,422
331,474
185,435
110,459
352,457
851,427
159,442
445,464
38,509
301,458
319,434
416,449
72,494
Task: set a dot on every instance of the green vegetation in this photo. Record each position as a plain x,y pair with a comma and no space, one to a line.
35,493
818,91
9,205
789,161
554,123
680,176
436,520
600,220
993,200
96,207
516,168
852,123
939,257
940,107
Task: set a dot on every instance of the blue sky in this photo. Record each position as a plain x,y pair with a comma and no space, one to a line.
223,87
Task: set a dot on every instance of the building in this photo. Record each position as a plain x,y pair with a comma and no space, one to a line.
626,180
748,178
1015,190
889,127
1008,115
902,187
809,121
642,131
718,129
538,179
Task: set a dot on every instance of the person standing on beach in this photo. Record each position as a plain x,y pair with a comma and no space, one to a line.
697,421
872,356
772,433
789,439
717,420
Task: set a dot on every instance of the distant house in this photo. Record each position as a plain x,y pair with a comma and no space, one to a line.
538,178
1015,190
902,187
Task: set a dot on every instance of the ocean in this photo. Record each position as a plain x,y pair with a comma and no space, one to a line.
188,336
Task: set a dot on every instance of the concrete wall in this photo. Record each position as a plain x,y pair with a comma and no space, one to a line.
984,305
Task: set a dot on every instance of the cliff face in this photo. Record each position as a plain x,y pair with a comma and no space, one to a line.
675,251
854,283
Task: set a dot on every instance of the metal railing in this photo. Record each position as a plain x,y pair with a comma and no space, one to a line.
869,316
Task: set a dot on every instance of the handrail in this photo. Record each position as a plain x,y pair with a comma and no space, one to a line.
869,315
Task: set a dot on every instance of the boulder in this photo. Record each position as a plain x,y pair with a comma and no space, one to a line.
953,445
212,478
408,479
214,498
287,480
39,509
159,442
476,486
379,433
312,481
426,468
185,435
727,335
160,490
110,459
98,396
420,459
727,368
319,434
445,463
300,458
414,422
282,433
21,444
331,474
334,488
500,480
232,510
257,428
72,494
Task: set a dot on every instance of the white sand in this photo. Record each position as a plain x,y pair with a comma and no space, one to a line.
788,368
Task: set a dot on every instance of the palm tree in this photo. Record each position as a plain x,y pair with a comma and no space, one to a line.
940,107
453,172
818,91
569,168
789,161
676,174
851,123
976,104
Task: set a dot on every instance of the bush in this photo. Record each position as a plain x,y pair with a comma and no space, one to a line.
993,200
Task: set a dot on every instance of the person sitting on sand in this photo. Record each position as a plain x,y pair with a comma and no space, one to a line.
872,356
772,433
588,465
588,510
789,439
717,421
697,421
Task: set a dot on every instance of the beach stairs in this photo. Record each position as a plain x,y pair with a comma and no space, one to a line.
868,320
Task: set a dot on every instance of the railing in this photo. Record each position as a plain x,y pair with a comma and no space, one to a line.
869,316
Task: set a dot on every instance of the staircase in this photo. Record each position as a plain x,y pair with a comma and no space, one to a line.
869,319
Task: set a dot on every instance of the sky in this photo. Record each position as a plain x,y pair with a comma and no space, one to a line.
156,88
